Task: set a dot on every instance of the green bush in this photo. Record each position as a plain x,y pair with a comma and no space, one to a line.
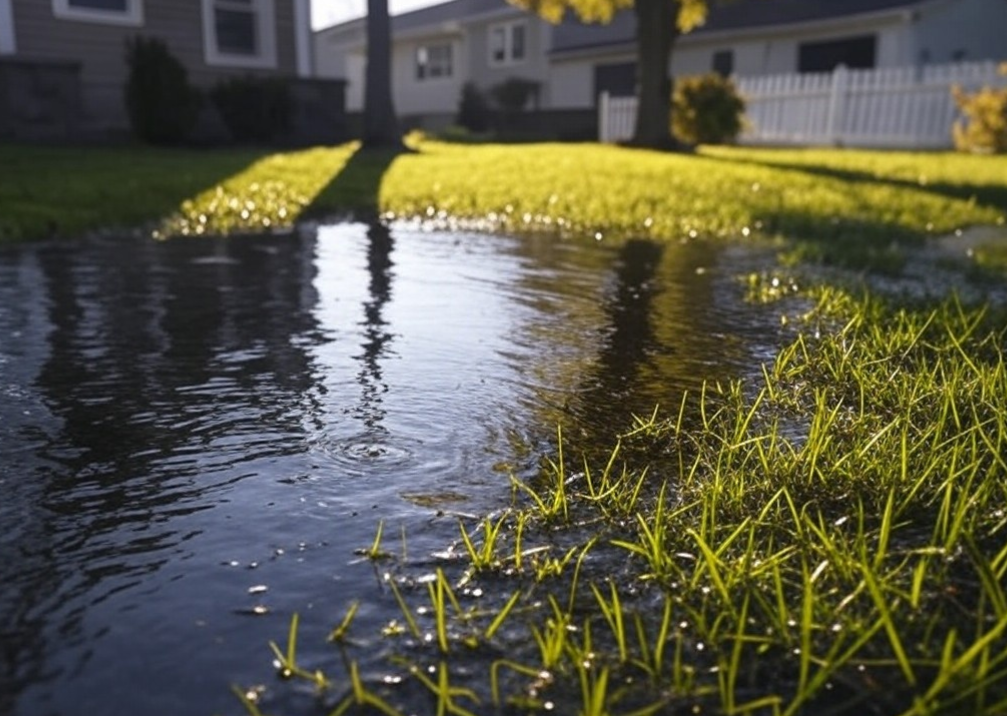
254,109
706,109
473,110
514,94
983,127
161,104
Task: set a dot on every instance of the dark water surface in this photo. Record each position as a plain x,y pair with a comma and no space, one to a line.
185,423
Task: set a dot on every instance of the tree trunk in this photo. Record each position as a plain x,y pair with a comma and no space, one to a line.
656,33
381,125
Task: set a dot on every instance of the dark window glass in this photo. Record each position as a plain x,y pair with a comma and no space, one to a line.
517,42
498,44
110,5
854,52
434,61
235,32
723,62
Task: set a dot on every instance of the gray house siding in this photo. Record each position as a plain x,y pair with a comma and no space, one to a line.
100,48
535,65
963,30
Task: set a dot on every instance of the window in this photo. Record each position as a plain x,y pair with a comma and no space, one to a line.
239,33
111,12
854,52
723,62
619,79
508,43
433,61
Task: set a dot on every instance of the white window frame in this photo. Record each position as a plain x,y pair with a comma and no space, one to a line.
8,38
132,17
265,32
450,61
508,34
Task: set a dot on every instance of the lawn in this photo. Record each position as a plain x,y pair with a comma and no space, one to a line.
870,201
831,539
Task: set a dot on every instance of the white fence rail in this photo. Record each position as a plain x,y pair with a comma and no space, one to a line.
898,107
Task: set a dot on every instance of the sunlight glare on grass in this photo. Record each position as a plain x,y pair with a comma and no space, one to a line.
270,194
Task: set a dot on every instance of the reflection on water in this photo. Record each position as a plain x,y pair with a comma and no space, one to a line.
183,423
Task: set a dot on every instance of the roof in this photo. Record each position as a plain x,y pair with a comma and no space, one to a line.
572,34
446,12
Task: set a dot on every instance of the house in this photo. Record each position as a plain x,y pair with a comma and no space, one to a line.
62,66
439,48
436,50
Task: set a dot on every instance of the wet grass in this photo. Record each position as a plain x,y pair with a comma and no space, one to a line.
830,540
872,204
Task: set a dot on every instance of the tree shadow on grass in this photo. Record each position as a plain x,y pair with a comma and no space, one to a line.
858,242
993,196
65,191
356,190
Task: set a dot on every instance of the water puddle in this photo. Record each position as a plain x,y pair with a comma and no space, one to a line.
197,435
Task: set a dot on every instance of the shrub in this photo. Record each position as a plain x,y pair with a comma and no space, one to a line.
514,93
473,110
983,127
254,109
706,109
161,104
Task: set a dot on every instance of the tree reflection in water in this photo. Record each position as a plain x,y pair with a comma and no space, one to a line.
376,335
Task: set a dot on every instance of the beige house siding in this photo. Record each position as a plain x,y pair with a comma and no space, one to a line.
429,95
777,52
100,49
535,65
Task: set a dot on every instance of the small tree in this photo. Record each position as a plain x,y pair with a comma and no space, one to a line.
473,111
984,125
161,104
254,109
707,109
514,93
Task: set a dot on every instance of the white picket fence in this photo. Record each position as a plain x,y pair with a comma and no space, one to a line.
896,107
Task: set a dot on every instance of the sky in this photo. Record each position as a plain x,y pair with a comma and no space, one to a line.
329,12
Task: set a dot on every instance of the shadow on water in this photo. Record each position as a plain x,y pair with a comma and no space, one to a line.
663,320
163,379
377,335
186,421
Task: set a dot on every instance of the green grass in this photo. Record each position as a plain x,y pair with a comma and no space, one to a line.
830,541
870,203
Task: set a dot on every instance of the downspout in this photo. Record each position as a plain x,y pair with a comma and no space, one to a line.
302,37
8,38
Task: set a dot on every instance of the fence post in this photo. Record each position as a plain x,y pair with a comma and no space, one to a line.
603,117
837,105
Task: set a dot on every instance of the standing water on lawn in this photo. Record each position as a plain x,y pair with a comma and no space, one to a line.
197,436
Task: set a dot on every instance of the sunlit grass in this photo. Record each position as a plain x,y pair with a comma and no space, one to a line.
865,202
271,193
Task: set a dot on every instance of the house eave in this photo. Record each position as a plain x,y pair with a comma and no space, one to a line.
701,36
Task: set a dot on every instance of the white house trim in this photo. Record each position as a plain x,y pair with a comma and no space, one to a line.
302,37
264,16
132,16
8,44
